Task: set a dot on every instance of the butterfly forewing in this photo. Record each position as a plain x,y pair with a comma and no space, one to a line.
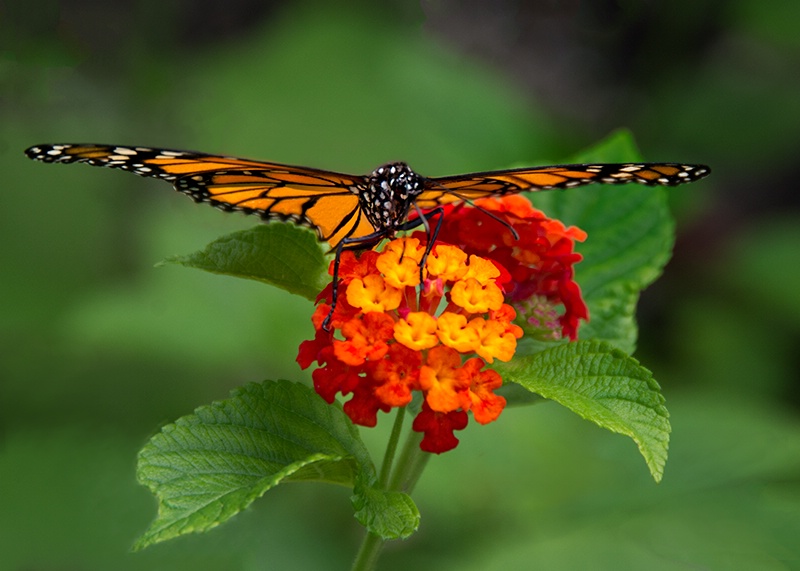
445,190
326,201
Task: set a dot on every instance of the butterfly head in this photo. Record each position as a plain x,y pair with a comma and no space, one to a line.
390,192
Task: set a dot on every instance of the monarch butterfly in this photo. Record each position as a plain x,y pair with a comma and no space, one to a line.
347,211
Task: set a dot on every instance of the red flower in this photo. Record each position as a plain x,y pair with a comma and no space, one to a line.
438,428
542,286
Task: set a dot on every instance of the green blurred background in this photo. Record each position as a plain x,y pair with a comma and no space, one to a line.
99,348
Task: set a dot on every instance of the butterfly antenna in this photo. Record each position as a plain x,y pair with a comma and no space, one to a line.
490,215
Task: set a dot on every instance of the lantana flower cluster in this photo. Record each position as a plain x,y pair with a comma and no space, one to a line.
540,260
392,336
388,339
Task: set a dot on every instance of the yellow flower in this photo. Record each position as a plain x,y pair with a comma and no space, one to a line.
447,263
476,297
417,331
481,269
454,332
497,341
399,263
373,294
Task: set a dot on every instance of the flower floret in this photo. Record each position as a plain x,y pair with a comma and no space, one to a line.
365,339
454,331
496,341
447,262
443,380
399,263
481,269
438,428
476,297
417,331
372,293
397,375
484,404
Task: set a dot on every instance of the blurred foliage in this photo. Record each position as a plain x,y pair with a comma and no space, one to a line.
99,349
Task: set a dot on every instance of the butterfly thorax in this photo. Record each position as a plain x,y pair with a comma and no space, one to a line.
391,190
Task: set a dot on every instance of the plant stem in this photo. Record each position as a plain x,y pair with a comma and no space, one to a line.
404,477
410,465
368,553
391,447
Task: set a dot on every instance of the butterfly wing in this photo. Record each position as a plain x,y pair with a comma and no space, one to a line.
445,190
326,201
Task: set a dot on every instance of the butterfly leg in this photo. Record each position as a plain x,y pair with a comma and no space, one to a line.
326,324
424,220
376,237
361,242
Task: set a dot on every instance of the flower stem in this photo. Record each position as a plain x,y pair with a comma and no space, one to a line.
404,477
368,553
391,447
410,465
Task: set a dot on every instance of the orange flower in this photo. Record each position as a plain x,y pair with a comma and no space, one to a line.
443,381
365,339
416,331
453,331
485,405
373,294
397,375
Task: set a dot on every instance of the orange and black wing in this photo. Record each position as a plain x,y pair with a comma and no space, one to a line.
326,201
445,190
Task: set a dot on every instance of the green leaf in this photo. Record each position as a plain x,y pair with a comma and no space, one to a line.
388,514
282,255
630,238
604,385
210,465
